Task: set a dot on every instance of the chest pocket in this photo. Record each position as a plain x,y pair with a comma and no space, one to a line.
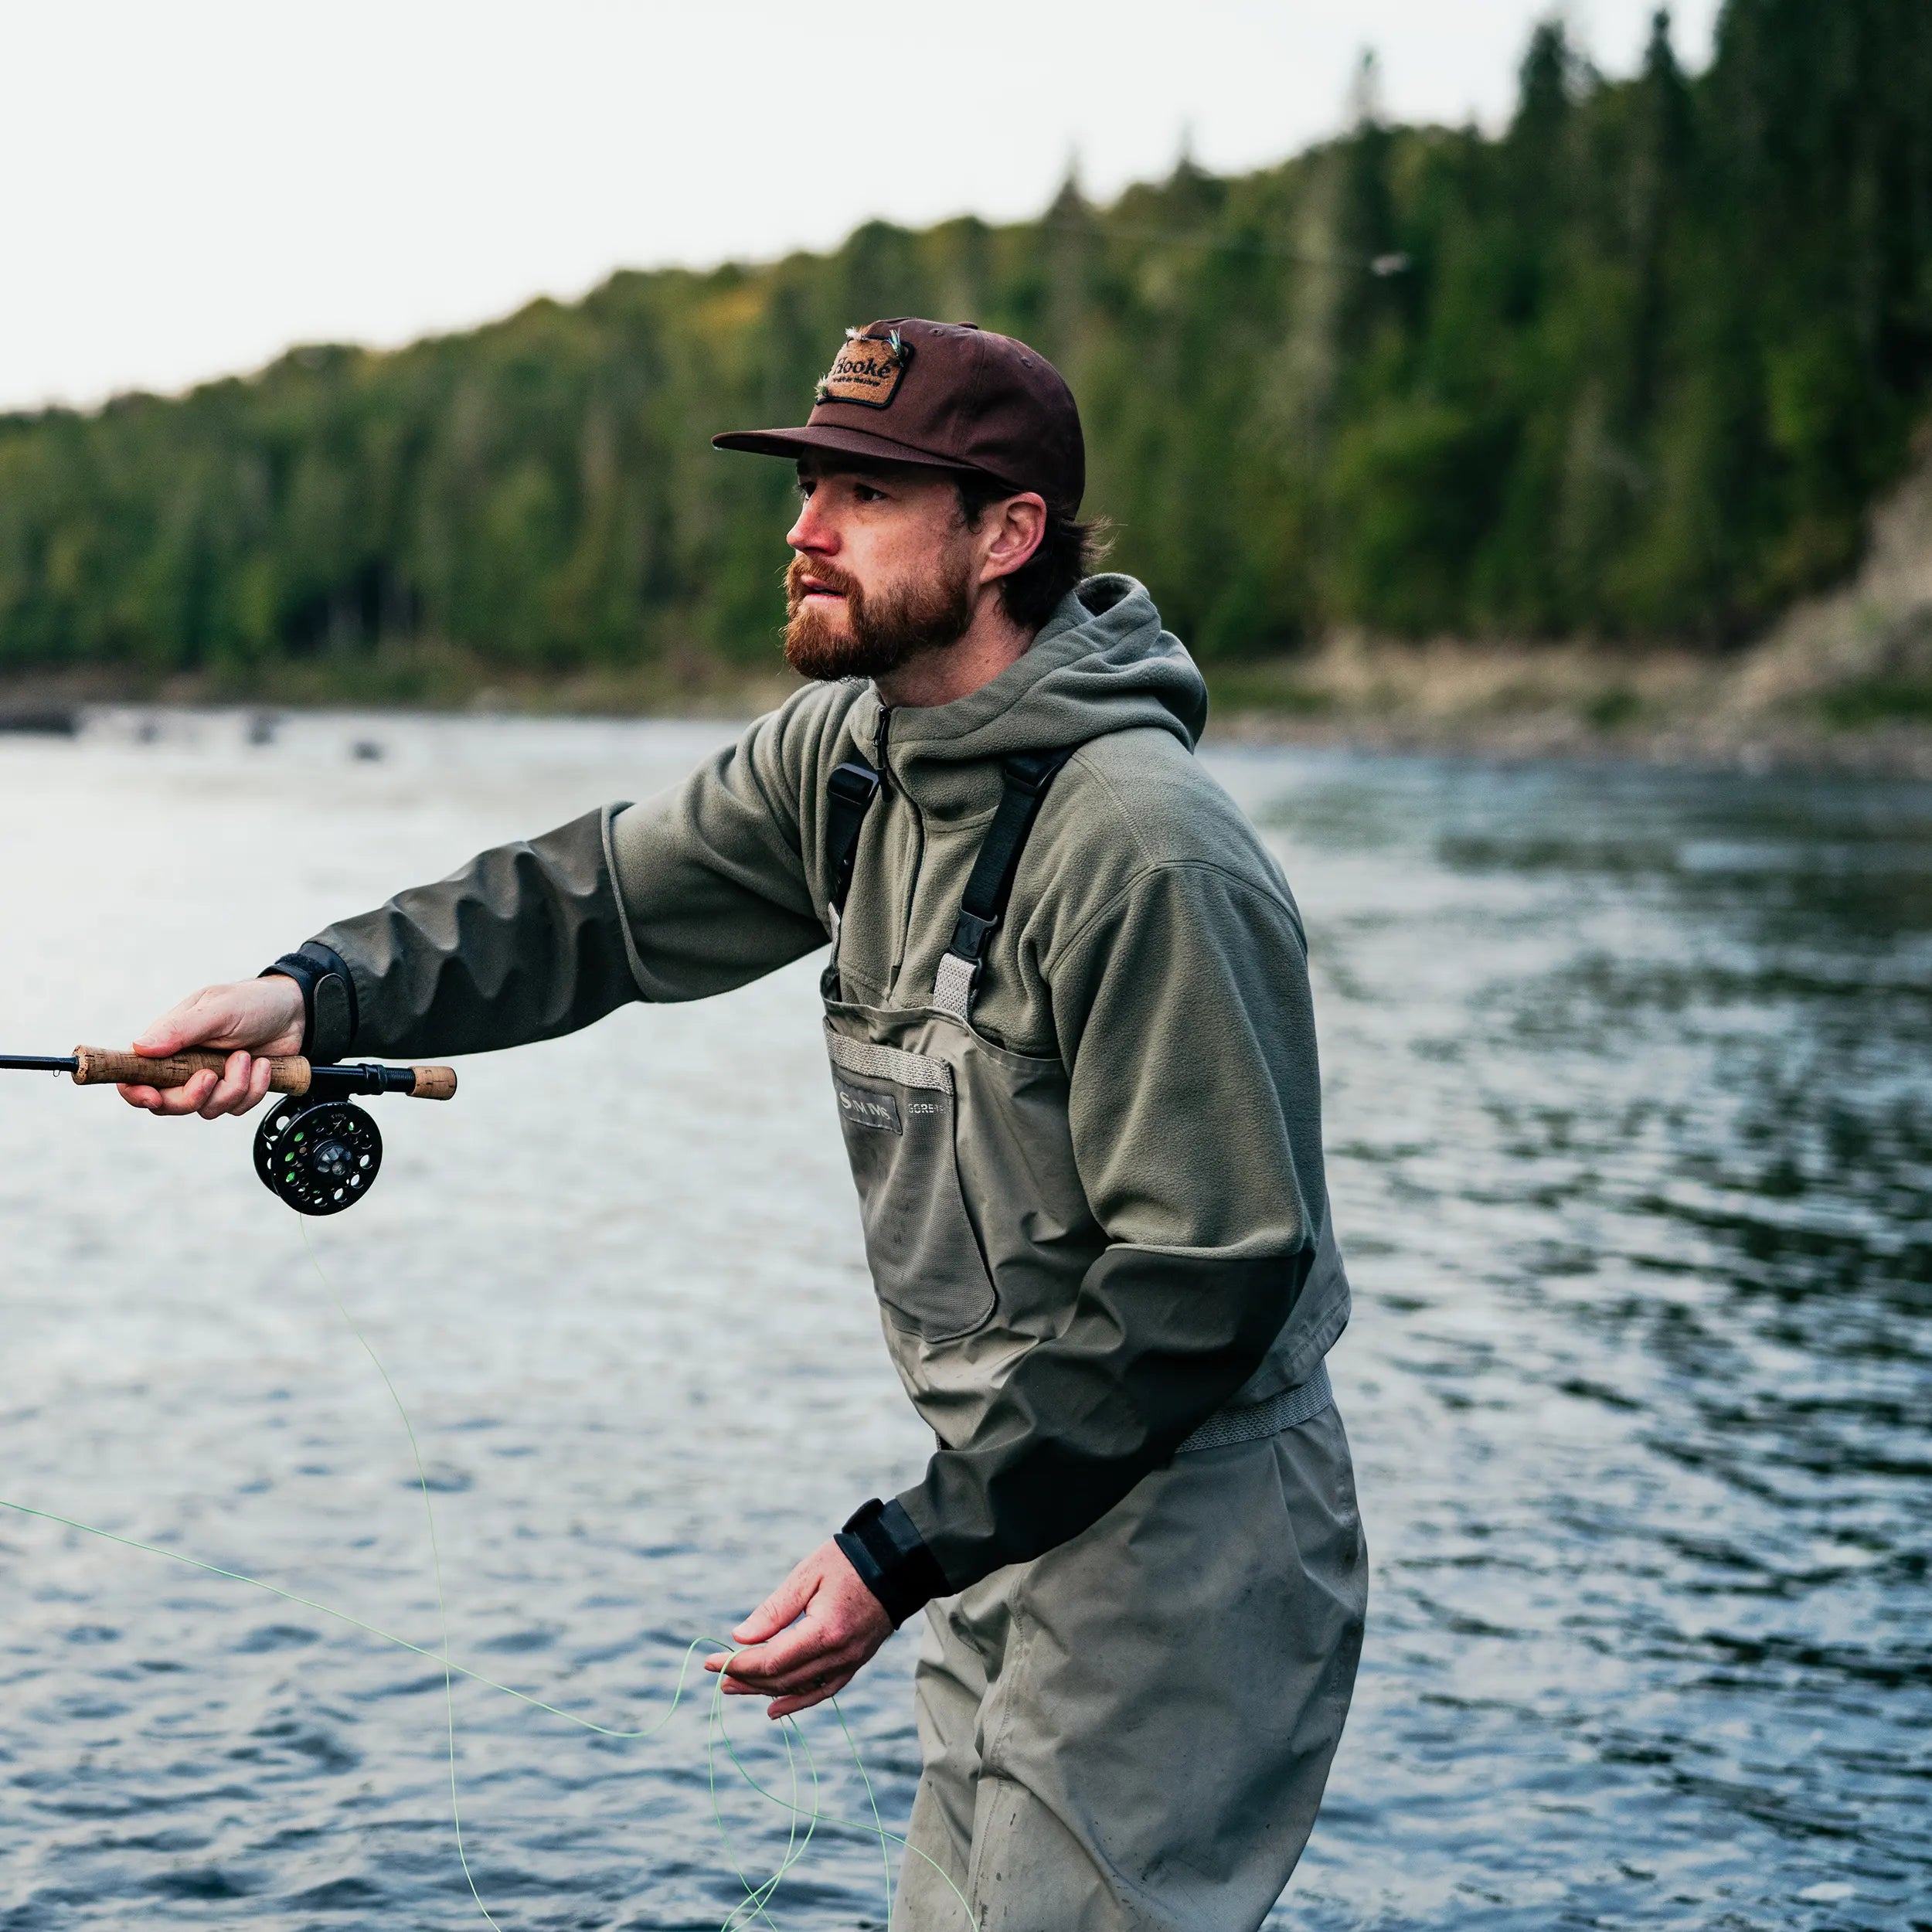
896,1111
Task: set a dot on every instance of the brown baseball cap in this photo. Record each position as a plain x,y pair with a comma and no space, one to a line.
950,396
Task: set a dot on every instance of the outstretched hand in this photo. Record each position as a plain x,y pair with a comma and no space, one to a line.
252,1018
808,1639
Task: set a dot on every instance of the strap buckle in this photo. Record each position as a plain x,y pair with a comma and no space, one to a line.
957,977
970,935
1032,772
853,784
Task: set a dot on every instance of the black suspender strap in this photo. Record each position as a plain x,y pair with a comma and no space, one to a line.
990,884
848,795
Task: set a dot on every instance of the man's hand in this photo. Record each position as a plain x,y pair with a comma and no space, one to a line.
253,1016
808,1639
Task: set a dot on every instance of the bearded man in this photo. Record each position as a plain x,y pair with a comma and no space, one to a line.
1071,1047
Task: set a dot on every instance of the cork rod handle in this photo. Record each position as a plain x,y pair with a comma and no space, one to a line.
101,1066
289,1073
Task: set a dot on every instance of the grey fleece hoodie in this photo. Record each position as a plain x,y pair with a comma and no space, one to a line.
1151,944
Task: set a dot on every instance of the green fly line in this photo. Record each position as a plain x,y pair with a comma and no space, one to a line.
803,1819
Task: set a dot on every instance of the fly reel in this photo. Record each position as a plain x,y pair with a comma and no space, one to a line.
319,1156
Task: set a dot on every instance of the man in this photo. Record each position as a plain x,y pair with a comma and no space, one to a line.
1068,1016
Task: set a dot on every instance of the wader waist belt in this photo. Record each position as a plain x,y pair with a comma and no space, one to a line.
1252,1421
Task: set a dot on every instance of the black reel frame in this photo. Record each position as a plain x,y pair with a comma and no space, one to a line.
319,1156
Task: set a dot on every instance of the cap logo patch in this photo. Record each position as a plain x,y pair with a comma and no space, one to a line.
867,371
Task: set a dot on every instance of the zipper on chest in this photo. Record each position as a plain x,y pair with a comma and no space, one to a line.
902,940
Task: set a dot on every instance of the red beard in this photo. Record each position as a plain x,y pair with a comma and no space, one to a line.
880,633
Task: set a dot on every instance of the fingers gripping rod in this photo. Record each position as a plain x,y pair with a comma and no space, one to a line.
288,1073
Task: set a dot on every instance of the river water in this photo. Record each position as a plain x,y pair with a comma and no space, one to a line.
1629,1083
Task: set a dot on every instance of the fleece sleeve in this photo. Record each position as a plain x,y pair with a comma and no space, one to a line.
1184,1019
691,893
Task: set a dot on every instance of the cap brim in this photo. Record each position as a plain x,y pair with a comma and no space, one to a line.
840,442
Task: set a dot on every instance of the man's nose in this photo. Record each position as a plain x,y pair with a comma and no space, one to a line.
813,532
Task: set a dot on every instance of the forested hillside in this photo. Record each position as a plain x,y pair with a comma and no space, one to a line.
1636,366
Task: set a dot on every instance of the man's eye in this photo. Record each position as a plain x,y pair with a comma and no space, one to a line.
866,494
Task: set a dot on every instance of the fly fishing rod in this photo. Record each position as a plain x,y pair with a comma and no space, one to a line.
316,1150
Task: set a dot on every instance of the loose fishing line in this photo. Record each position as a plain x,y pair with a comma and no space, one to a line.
319,1154
757,1895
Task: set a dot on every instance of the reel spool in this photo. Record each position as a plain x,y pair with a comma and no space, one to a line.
318,1156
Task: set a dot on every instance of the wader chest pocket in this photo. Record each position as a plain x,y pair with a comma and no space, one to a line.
896,1109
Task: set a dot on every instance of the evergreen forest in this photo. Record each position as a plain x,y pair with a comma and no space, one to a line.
1635,365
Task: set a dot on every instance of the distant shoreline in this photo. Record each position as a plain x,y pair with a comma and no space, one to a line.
1889,751
1660,705
1780,705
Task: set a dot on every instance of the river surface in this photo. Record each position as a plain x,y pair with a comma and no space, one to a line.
1629,1083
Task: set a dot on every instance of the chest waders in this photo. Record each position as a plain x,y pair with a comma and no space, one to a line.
978,1232
1132,1732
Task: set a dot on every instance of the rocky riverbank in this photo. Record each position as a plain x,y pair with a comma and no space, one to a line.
1843,681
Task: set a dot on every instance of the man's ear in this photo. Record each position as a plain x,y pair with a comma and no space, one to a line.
1017,526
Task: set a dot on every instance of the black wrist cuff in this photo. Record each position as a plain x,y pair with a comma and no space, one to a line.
329,998
891,1559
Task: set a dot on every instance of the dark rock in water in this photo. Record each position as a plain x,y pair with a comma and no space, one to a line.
262,728
366,749
50,721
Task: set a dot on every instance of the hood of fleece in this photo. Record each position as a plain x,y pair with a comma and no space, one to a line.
1102,664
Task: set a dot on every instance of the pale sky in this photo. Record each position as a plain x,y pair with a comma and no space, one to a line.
188,186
